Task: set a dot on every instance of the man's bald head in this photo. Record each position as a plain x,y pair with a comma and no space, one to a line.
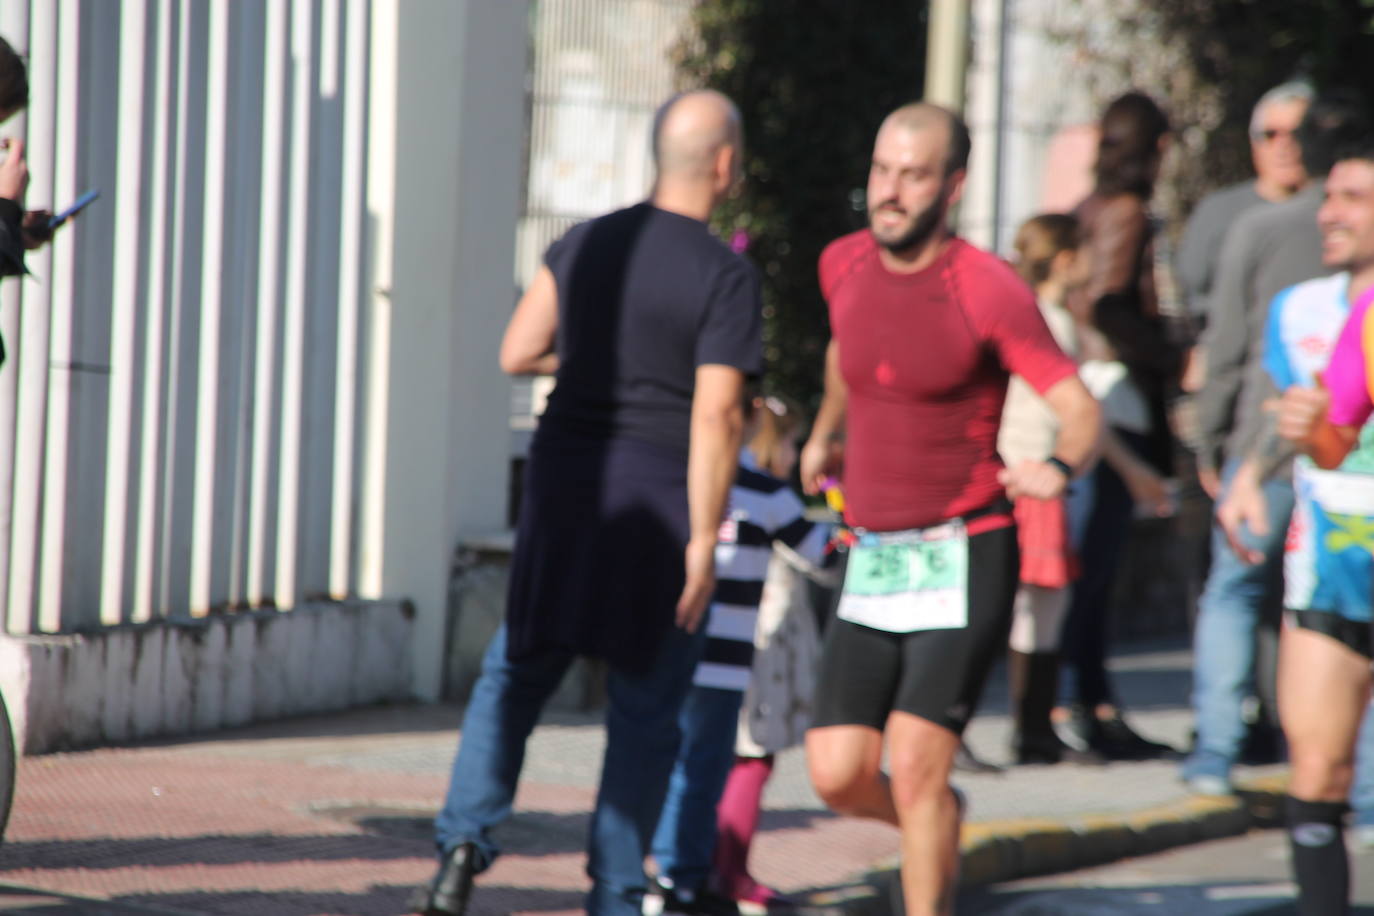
690,129
921,116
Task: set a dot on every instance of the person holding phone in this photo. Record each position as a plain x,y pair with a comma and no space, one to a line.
20,230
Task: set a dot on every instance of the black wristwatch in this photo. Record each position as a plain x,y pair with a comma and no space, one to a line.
1057,462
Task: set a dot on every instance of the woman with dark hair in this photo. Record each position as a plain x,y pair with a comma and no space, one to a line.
1130,364
18,230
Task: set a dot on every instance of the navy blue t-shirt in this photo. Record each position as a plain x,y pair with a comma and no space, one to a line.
645,296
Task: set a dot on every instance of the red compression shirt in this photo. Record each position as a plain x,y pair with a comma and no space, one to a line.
926,357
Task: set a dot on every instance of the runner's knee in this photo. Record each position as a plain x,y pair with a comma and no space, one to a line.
842,780
1319,774
917,777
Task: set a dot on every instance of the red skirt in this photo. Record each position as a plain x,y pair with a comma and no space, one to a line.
1047,558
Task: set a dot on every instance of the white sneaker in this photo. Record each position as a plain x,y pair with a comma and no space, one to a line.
1209,785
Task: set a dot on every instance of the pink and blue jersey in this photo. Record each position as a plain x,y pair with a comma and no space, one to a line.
1350,375
1328,563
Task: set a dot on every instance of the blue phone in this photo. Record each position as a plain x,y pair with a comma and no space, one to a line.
80,204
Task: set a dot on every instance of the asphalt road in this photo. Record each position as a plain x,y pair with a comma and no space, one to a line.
1241,876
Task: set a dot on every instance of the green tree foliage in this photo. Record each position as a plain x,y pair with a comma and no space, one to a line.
813,82
1208,62
1241,48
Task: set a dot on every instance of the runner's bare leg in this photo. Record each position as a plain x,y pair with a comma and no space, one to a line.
846,770
921,755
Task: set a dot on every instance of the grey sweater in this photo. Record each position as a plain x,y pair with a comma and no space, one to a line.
1195,264
1268,249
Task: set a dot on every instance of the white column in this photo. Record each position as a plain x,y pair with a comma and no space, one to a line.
947,52
443,289
14,25
134,83
342,574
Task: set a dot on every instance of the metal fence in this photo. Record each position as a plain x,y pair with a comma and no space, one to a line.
599,70
183,405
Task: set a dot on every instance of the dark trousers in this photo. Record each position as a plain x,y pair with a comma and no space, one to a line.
1083,645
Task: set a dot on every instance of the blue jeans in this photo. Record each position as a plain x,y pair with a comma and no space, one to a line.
685,840
641,746
1229,613
1362,792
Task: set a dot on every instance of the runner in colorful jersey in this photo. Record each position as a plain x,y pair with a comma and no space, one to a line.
1324,653
1328,567
926,330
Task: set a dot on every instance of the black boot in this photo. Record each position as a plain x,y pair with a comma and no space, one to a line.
1077,734
1034,681
447,894
1116,740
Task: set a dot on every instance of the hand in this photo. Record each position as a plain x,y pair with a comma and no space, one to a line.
820,460
1301,411
1210,481
14,172
700,563
1244,508
34,228
1036,479
1150,491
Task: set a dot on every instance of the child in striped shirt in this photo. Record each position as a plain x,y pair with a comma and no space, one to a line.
763,511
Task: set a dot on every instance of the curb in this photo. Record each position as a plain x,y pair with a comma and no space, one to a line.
996,851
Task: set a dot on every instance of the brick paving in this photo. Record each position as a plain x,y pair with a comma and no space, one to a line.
330,815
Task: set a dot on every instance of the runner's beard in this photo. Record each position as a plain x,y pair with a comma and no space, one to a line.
919,232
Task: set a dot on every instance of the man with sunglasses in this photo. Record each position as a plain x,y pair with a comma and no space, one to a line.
1279,174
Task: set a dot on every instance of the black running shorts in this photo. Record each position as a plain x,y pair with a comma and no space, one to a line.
1353,634
935,674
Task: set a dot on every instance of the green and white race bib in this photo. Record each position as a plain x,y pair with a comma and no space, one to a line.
904,581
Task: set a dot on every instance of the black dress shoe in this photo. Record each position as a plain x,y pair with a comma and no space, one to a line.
447,894
1118,741
1039,747
663,898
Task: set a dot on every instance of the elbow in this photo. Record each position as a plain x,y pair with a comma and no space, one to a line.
515,362
725,421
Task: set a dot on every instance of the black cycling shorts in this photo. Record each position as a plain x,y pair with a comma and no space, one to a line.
1353,634
938,675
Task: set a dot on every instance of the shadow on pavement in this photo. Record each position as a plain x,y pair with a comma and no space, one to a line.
384,719
384,900
1194,900
23,901
202,850
534,832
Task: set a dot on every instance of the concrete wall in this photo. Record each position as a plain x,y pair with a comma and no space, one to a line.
444,191
477,602
184,676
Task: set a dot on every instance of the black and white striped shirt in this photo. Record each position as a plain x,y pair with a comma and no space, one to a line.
762,510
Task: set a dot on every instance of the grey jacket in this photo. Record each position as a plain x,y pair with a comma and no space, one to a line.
1198,250
1267,250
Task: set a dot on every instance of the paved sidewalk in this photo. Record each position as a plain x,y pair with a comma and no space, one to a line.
330,815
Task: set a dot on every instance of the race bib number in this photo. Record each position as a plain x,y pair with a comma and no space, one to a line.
906,581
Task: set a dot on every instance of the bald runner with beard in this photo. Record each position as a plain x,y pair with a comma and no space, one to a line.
926,331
